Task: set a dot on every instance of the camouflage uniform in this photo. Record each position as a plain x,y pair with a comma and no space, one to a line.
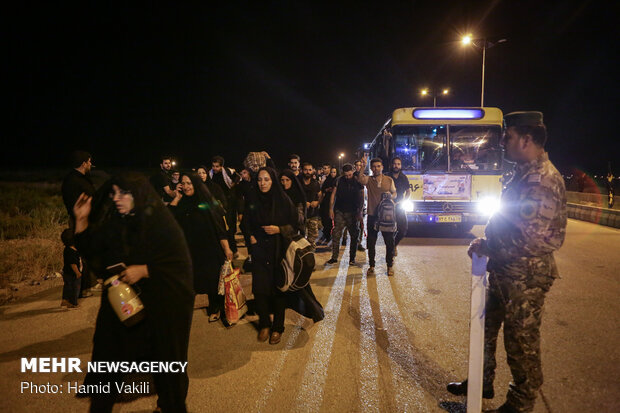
312,230
521,239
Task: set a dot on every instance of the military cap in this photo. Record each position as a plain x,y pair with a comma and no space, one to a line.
529,118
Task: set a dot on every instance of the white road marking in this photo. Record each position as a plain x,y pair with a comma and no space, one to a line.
369,363
277,370
310,395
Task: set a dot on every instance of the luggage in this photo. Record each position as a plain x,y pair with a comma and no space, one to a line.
297,265
386,214
235,304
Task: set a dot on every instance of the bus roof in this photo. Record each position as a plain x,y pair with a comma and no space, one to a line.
452,115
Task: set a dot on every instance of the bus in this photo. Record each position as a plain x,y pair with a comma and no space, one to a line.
452,158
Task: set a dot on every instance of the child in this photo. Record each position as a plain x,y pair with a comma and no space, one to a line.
71,271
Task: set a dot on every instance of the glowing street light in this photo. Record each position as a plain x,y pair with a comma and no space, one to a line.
426,92
483,44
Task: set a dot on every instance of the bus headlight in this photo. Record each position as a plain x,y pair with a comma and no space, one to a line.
488,206
407,206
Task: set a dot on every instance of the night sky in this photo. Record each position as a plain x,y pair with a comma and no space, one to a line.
129,82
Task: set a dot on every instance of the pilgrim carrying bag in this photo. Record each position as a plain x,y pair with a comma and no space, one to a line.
297,265
235,304
386,214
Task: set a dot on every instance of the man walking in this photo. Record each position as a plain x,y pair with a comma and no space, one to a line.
312,189
403,192
377,185
78,182
294,164
520,241
162,181
345,208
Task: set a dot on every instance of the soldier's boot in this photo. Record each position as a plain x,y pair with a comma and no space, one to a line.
460,389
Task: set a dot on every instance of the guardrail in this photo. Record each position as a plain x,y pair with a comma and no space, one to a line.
598,200
596,215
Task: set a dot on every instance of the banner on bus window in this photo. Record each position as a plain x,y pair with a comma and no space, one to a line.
447,187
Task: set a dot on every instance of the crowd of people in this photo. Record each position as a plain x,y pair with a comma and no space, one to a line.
173,233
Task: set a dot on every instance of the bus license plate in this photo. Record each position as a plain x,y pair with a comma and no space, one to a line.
449,218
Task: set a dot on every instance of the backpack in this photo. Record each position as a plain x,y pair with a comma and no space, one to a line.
386,214
297,265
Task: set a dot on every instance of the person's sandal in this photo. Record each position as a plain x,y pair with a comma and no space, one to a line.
214,317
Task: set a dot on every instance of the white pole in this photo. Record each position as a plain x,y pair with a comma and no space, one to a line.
476,334
484,54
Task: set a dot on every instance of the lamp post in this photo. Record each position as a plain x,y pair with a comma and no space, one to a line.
340,158
483,44
426,92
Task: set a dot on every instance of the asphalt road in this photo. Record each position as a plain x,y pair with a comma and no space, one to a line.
386,344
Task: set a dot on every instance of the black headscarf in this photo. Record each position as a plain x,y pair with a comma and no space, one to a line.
216,191
146,201
202,199
295,192
329,182
273,207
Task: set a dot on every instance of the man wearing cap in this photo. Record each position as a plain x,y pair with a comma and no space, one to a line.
520,241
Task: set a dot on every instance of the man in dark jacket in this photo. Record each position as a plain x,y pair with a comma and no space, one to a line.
345,208
78,182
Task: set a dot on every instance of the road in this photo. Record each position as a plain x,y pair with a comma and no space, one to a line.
386,344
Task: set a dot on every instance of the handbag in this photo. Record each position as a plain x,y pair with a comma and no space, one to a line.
235,304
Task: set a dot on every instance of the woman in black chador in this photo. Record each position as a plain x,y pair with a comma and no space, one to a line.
273,219
129,224
292,188
202,220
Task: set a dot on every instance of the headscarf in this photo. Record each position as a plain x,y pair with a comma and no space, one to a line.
129,229
215,190
295,192
202,199
330,181
274,207
146,200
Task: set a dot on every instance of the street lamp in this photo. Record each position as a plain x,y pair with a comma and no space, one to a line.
483,44
340,158
426,92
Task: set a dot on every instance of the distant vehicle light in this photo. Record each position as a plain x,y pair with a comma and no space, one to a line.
448,113
488,206
407,206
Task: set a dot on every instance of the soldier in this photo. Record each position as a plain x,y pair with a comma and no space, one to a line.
520,240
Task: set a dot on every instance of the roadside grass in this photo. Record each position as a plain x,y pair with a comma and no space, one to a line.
32,216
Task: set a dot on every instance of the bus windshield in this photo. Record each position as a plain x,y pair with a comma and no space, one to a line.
475,148
424,148
421,147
